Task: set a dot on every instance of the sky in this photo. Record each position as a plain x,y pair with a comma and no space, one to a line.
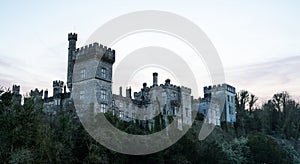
258,41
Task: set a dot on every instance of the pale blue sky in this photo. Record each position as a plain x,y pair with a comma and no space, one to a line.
258,41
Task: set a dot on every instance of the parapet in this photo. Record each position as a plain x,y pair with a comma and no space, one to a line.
219,87
72,36
96,50
36,93
230,89
186,89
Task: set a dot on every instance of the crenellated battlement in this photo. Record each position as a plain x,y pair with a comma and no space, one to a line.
172,86
72,36
219,87
185,89
16,89
36,93
96,50
95,47
169,86
58,83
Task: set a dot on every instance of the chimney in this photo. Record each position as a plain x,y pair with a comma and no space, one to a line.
65,89
168,82
46,94
128,92
120,93
155,78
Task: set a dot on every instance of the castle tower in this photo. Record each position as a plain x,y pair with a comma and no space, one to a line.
72,38
37,97
16,98
57,88
93,76
218,114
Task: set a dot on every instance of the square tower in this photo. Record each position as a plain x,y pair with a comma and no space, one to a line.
92,77
216,114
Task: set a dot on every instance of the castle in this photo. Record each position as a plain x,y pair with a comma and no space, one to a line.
92,65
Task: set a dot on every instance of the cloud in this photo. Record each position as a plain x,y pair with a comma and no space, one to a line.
267,78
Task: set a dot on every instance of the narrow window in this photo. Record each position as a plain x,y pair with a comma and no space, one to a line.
103,94
82,74
230,110
186,112
174,94
121,114
103,107
103,73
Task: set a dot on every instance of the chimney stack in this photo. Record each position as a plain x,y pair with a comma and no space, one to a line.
46,94
65,89
120,93
155,78
128,92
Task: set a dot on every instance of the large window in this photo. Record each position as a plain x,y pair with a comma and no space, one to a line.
104,73
103,94
103,108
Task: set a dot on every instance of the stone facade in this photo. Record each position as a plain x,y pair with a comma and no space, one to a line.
214,114
92,78
59,99
168,99
92,88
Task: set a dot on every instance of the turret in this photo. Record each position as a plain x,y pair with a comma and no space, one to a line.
144,85
72,38
36,94
57,88
16,89
167,82
16,98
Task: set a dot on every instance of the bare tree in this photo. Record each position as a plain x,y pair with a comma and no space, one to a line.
252,101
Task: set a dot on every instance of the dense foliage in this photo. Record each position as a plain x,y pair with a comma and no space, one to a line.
267,134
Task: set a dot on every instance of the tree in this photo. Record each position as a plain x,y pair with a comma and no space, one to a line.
252,101
266,150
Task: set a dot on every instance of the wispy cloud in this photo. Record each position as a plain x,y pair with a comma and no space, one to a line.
267,78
